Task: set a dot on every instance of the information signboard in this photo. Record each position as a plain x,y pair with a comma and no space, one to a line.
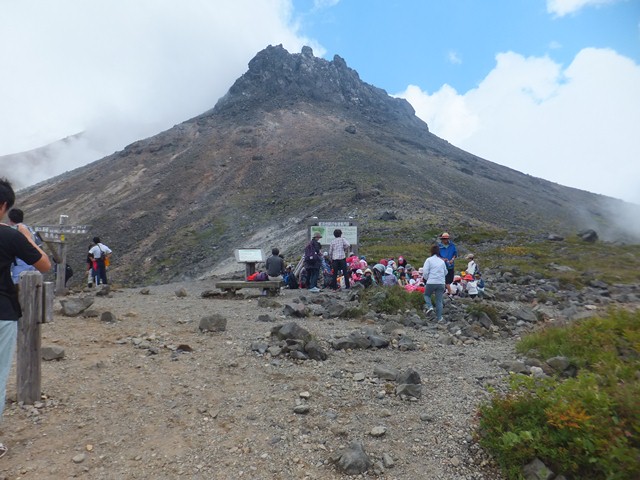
349,231
249,255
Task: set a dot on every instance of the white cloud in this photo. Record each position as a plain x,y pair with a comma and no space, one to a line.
576,126
560,8
454,58
124,70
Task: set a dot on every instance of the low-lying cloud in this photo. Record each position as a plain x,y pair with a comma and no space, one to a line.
576,126
120,71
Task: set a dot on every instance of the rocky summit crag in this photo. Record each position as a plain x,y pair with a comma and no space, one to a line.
295,137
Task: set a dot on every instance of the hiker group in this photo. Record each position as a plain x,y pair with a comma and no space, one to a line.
339,268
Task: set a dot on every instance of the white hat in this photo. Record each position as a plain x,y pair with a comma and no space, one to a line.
389,271
359,271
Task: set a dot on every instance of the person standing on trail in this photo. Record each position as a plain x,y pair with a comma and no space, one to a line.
101,253
313,262
14,243
434,273
448,253
338,253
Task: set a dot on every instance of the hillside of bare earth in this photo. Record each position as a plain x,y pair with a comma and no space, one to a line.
125,403
295,137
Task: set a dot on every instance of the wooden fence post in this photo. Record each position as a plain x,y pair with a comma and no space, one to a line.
28,357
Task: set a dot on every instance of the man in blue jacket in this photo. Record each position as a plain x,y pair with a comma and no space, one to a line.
448,253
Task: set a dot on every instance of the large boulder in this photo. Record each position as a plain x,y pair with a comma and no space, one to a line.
72,307
352,460
213,323
588,235
291,331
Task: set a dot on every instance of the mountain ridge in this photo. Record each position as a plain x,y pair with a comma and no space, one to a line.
295,137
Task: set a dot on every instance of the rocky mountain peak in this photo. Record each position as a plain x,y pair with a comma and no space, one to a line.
277,79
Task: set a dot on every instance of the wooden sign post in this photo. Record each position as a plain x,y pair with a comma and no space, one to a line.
37,308
54,236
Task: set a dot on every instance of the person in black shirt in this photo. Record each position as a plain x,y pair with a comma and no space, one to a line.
14,243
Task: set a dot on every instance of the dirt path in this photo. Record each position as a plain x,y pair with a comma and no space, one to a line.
122,404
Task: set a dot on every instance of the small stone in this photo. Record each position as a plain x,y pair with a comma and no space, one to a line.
52,353
301,409
378,431
181,292
387,461
108,317
359,377
305,394
455,461
79,458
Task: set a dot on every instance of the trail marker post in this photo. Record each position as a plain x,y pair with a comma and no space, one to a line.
36,301
55,237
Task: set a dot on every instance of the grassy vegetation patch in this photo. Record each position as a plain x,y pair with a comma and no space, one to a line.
574,262
391,299
583,427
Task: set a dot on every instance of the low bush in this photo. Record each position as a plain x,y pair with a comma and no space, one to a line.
582,427
392,299
478,308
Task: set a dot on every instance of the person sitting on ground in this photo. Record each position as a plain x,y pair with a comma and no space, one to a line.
402,262
303,278
472,286
472,266
367,279
479,284
402,277
356,275
363,263
456,286
275,265
378,272
389,279
289,278
327,272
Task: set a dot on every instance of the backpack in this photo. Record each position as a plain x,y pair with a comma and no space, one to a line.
262,277
310,254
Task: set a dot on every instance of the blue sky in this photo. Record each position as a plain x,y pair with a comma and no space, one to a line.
433,42
548,87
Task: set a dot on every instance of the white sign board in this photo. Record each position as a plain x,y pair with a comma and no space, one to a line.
249,255
349,233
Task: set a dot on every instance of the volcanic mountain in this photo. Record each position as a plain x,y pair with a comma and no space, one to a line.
295,137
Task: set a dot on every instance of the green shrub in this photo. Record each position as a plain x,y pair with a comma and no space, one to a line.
392,299
583,427
477,308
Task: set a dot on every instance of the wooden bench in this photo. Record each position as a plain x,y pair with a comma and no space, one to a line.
231,286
